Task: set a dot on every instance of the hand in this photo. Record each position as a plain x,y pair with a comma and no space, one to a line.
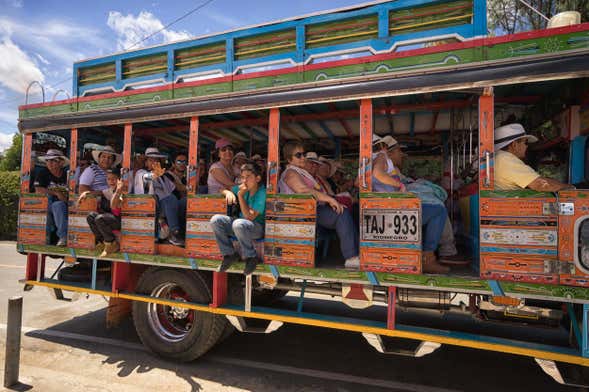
337,207
242,189
62,196
157,170
120,185
83,196
229,197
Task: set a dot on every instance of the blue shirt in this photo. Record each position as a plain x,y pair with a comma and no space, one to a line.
257,202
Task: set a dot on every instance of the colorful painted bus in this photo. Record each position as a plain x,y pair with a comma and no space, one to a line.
423,71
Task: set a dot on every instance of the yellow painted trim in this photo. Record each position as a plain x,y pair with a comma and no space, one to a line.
267,49
430,22
144,69
202,60
105,77
578,360
336,37
70,288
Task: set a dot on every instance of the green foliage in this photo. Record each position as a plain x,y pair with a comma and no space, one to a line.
512,16
11,157
9,192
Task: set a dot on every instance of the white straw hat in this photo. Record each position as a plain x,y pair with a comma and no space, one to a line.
507,134
54,154
108,150
153,152
312,156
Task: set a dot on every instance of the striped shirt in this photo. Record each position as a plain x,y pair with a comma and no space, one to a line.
94,177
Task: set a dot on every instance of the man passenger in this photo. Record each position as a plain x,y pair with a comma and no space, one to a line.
93,178
330,213
511,144
52,182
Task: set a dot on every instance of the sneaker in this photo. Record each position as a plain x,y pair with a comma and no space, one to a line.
164,231
353,262
99,248
62,242
250,265
228,260
175,238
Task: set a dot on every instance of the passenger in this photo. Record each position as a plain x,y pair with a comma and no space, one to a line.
434,215
221,176
202,177
104,223
178,174
257,158
93,179
238,160
52,182
83,164
251,197
511,144
385,176
327,170
162,187
140,187
330,213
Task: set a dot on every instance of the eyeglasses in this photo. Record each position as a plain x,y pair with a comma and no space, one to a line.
181,161
226,148
300,154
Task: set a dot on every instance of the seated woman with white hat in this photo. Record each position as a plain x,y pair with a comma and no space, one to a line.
511,144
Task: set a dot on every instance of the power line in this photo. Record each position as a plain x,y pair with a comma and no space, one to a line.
192,11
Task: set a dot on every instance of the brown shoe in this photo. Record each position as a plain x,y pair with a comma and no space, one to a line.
430,264
110,248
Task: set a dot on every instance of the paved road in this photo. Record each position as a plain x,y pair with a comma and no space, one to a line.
66,347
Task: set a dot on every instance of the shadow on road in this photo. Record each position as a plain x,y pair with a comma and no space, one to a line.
450,367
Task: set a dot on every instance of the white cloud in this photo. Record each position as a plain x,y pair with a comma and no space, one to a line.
17,69
131,29
42,59
5,141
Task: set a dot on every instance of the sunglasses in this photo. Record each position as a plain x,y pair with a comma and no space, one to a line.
299,154
226,148
181,161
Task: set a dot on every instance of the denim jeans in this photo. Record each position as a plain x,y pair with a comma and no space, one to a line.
245,230
57,216
433,219
169,205
343,224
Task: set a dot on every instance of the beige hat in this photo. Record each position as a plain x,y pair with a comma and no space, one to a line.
54,154
108,150
240,154
507,134
389,141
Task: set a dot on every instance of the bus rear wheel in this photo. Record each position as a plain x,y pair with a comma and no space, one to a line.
176,332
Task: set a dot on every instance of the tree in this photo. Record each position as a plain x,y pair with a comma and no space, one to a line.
11,156
512,16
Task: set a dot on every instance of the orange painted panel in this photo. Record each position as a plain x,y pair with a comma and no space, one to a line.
33,202
25,171
286,206
514,207
390,260
31,236
366,129
529,268
289,254
486,141
137,205
206,204
203,248
273,151
138,244
80,239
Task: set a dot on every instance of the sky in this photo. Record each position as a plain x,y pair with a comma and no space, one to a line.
41,39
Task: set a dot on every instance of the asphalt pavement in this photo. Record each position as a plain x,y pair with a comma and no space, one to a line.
66,346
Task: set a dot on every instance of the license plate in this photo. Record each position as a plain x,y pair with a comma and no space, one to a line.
390,225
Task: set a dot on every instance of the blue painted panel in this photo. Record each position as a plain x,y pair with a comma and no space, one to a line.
493,249
577,159
383,43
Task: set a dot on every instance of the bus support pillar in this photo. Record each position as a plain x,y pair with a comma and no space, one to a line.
585,332
391,311
219,289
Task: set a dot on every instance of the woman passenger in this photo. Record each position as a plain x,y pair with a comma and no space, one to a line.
251,197
221,176
330,213
93,179
385,176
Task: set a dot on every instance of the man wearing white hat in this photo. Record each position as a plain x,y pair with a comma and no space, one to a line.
52,181
93,178
511,144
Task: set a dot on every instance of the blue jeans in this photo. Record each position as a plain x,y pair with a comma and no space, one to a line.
433,220
169,205
343,224
245,230
57,216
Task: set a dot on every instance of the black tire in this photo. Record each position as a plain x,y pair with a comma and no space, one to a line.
176,333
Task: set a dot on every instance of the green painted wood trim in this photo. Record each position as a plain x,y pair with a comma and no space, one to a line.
458,283
388,195
516,193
